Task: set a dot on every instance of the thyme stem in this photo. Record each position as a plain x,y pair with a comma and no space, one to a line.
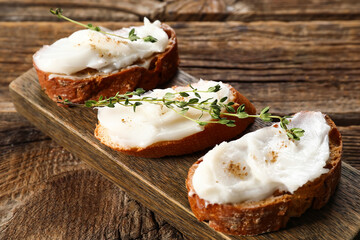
181,102
132,35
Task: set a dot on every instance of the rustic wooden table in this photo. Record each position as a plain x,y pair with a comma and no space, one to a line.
303,55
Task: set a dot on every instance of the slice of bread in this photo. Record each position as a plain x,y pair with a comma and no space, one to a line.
272,213
210,136
162,68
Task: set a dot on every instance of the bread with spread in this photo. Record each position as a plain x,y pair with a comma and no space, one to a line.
154,130
255,184
89,64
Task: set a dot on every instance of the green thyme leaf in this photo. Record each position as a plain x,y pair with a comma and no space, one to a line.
193,100
241,108
181,104
139,91
169,95
223,99
214,103
88,104
132,35
265,116
150,39
136,104
285,121
224,121
184,94
265,110
298,132
231,124
291,136
57,12
205,101
202,123
215,88
230,109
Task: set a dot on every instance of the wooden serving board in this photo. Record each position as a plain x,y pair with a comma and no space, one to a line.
159,184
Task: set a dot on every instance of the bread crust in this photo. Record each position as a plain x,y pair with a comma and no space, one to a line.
162,68
271,214
210,136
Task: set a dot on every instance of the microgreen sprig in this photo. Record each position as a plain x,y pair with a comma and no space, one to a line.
181,102
132,35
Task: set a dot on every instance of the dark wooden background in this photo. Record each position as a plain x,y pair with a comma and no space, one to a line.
290,55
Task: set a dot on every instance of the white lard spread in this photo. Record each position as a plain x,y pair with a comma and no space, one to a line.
260,162
152,123
105,53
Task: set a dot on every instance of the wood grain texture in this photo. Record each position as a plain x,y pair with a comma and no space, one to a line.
92,10
351,141
185,10
257,10
95,209
65,198
155,183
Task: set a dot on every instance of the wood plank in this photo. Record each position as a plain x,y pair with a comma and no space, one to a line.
42,180
272,51
268,61
351,141
90,10
186,10
15,129
155,183
256,10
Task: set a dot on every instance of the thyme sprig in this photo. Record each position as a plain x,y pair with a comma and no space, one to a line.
266,116
132,35
181,102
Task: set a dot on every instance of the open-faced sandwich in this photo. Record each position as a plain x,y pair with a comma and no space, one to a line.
173,121
255,184
99,62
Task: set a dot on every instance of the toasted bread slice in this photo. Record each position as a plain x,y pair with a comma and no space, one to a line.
162,68
272,213
210,136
